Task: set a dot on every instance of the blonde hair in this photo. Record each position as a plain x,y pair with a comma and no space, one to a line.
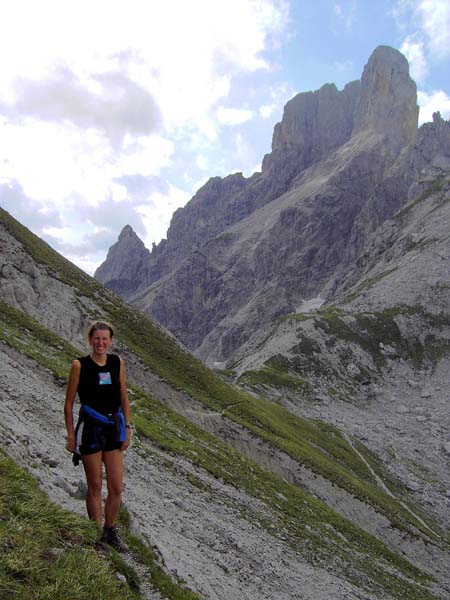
98,325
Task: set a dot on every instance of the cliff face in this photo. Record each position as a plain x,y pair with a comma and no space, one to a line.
388,103
246,251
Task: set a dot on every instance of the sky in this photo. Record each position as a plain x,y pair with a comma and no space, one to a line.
116,112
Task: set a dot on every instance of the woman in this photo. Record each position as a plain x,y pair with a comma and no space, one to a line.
103,429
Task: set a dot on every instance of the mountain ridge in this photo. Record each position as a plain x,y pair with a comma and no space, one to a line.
212,286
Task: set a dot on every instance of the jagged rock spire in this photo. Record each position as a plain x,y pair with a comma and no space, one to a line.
388,100
122,270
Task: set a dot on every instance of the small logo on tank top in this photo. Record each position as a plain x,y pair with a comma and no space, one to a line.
104,379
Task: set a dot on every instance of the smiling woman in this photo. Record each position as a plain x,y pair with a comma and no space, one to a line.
103,430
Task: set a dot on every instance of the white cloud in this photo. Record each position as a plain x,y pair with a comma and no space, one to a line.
157,213
413,49
437,101
106,95
428,40
110,102
202,162
233,116
435,17
244,152
37,214
279,95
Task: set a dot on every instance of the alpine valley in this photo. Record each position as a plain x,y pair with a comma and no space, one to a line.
288,358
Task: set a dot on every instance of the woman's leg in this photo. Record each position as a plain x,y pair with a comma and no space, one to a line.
93,469
113,460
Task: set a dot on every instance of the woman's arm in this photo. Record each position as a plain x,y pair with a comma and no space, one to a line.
125,403
72,386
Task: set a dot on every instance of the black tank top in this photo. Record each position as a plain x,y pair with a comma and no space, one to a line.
99,387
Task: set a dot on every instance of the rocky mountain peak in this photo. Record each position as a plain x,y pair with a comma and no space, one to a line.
125,263
388,101
314,124
128,234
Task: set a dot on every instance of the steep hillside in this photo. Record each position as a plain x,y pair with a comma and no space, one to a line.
376,362
240,497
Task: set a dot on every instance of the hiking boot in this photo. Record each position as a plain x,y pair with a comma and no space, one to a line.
111,537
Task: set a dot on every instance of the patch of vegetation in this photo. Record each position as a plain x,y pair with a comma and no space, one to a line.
367,284
223,237
226,373
272,377
48,553
436,186
372,331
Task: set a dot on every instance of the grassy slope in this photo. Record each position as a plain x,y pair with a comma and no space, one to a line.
51,554
48,553
303,517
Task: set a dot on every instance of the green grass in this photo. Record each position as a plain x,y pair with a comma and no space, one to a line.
273,377
48,553
308,524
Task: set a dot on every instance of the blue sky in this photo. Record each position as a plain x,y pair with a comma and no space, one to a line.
116,112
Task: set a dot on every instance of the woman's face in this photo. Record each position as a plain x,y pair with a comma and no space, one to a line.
101,341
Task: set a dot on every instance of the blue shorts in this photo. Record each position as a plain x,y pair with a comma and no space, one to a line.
95,437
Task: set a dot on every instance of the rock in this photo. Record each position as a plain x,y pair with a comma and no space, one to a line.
412,485
64,485
353,370
121,578
124,267
80,490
